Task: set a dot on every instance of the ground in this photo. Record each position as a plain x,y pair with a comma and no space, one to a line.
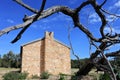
6,70
91,76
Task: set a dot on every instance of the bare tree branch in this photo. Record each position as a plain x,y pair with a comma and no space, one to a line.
105,11
109,64
51,11
71,47
34,19
8,29
26,6
103,3
112,54
105,41
81,6
101,15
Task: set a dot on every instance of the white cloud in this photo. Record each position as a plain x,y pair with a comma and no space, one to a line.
110,18
107,29
60,17
117,30
117,4
45,27
94,18
94,15
72,1
34,26
114,30
41,26
10,21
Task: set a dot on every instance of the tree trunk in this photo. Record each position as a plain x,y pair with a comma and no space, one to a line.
89,64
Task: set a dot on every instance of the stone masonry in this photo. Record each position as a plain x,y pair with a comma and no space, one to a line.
46,54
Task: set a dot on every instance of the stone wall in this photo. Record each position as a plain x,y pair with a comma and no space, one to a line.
57,56
31,58
46,55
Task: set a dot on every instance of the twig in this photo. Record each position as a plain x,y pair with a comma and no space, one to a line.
71,47
112,54
109,64
26,6
105,11
34,19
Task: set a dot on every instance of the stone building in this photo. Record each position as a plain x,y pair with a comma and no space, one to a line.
46,54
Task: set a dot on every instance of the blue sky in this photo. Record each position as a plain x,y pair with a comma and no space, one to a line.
12,14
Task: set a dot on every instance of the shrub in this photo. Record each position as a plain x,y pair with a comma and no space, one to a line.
104,76
35,77
14,76
23,75
73,77
62,76
44,75
117,71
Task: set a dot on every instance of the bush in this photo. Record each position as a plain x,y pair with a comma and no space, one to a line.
44,75
23,75
73,77
35,77
15,76
104,76
62,76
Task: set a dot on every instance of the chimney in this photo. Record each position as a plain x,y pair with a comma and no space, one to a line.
49,34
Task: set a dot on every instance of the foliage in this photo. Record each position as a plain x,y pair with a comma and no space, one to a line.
99,43
44,75
35,77
0,62
116,66
75,63
104,76
73,77
14,76
62,76
23,75
10,60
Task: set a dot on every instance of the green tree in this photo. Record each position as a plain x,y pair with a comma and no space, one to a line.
17,61
0,61
99,43
116,65
8,59
78,63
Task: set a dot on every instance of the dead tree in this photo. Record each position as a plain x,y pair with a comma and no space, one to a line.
101,44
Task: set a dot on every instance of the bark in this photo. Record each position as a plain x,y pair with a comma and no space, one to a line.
89,65
105,40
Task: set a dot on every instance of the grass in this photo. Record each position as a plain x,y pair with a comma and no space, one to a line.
74,70
6,70
95,75
92,73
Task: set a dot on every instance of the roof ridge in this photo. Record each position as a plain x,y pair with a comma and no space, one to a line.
62,43
44,38
32,41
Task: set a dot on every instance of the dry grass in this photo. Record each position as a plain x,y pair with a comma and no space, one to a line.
92,73
6,70
95,75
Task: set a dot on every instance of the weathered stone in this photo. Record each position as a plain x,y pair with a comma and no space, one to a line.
46,54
